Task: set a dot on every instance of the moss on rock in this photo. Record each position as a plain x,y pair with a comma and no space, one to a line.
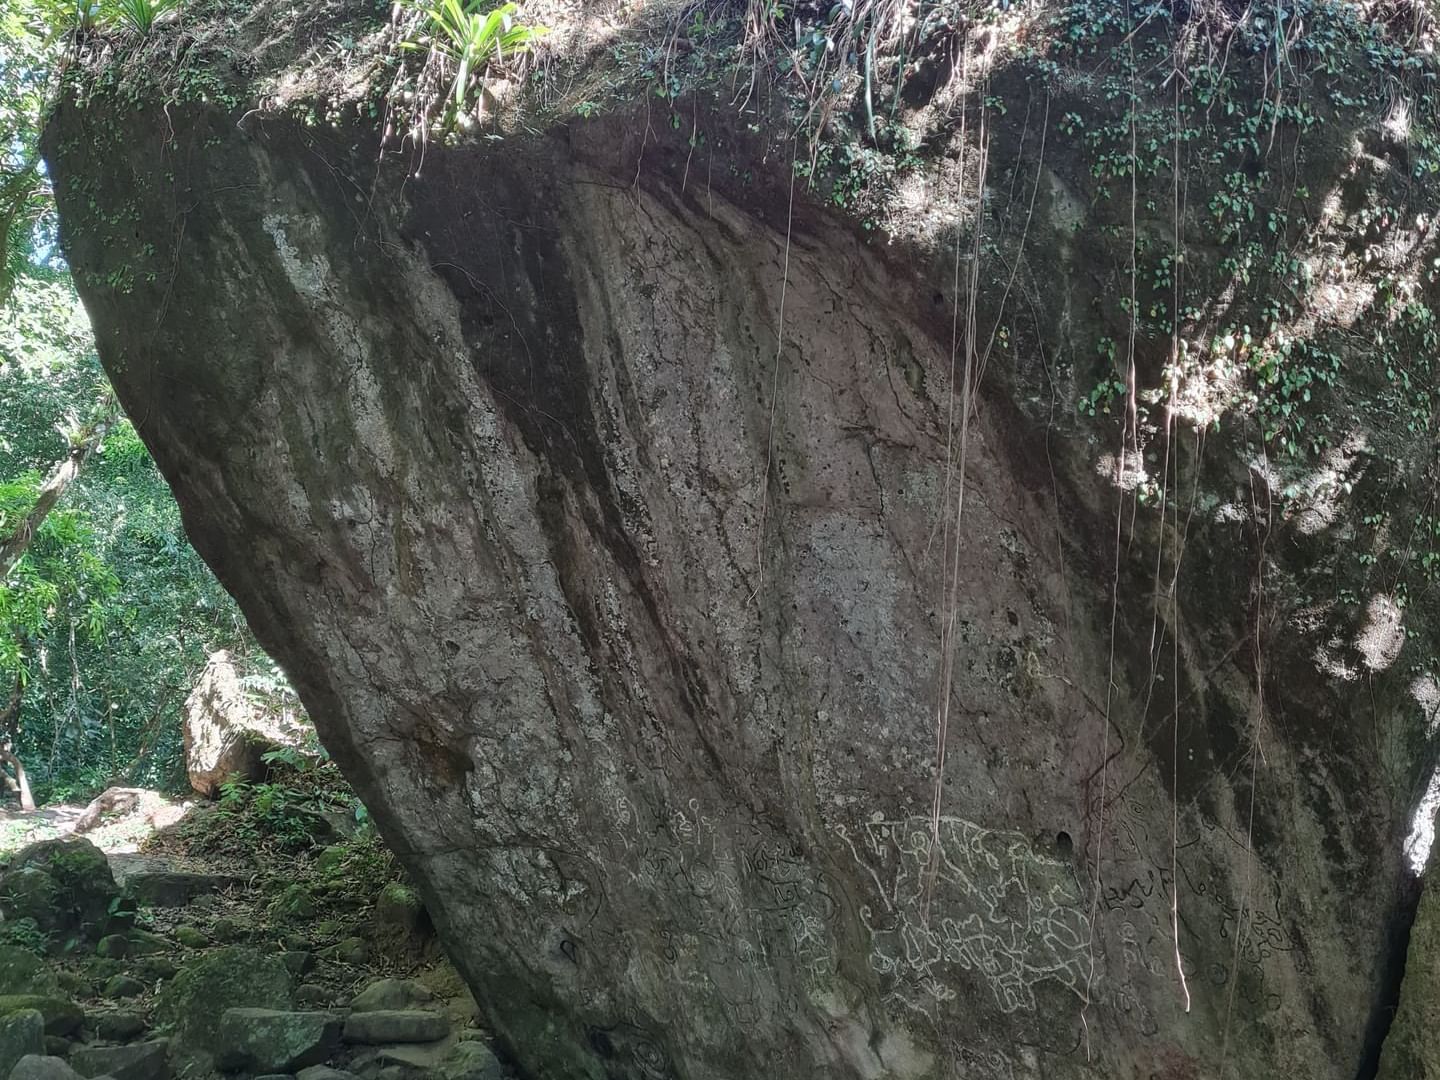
235,977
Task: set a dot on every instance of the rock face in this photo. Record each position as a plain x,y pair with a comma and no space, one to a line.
731,719
225,731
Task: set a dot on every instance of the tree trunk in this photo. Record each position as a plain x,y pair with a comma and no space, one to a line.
27,801
10,718
81,447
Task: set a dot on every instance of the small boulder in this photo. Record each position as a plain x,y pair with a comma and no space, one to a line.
352,950
324,1072
21,1034
190,937
144,943
38,1067
271,1040
117,1026
235,977
137,1061
415,1061
332,859
22,972
118,987
297,963
58,1046
471,1061
391,995
155,967
61,1016
310,995
225,929
69,983
294,904
395,1026
113,946
173,887
401,925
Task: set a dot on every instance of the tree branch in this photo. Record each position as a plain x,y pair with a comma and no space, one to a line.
81,447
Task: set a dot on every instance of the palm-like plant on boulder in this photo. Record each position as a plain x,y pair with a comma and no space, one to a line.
138,15
467,40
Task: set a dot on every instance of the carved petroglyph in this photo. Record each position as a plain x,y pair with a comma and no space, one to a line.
982,905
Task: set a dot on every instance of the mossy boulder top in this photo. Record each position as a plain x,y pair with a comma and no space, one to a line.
230,978
64,886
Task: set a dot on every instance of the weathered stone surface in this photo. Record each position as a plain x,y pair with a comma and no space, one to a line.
718,738
137,1061
195,1002
226,732
272,1040
395,1026
391,994
22,1034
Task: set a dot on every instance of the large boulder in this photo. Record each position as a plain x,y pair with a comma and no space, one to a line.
766,641
195,1001
65,886
226,730
21,1034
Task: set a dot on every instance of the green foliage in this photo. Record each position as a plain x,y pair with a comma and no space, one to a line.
26,934
466,39
138,16
289,757
233,792
291,811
